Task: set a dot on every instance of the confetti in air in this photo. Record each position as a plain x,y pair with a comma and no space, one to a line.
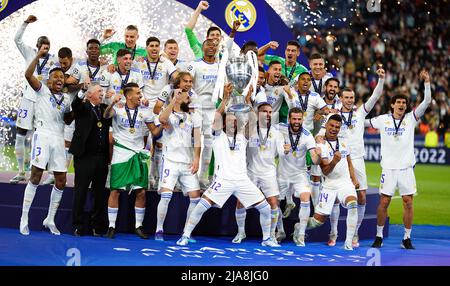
70,23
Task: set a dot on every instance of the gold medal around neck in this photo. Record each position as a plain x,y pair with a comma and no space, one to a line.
182,125
132,130
262,147
99,124
294,154
40,77
59,107
121,91
350,127
152,81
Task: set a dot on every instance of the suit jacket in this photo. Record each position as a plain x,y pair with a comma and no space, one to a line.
85,119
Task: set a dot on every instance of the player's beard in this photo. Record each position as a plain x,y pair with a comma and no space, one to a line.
296,127
184,106
330,96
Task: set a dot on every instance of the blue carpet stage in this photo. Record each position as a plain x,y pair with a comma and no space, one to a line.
42,248
216,222
213,234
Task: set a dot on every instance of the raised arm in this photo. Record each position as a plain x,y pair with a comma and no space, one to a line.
263,50
25,50
270,45
165,114
370,103
32,80
328,166
109,111
420,110
236,25
218,124
202,5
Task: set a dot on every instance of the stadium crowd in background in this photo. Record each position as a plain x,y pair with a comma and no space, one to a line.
404,40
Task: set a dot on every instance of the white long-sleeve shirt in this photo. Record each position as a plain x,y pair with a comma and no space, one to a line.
397,147
28,53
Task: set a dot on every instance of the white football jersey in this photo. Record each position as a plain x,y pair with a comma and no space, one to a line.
115,80
204,77
261,157
275,96
83,70
42,69
155,76
178,138
182,65
230,164
397,151
50,109
121,127
292,163
318,85
340,176
315,102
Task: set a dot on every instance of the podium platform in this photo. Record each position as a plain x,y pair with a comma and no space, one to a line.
215,222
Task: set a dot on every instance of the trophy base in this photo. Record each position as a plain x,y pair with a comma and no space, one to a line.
240,107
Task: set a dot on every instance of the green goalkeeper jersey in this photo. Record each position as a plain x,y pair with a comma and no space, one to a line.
113,47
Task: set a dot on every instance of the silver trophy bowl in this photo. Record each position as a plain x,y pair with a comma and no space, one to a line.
239,74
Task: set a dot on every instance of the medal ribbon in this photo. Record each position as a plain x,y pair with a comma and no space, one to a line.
42,65
152,74
303,104
297,139
131,121
262,141
337,145
349,121
397,127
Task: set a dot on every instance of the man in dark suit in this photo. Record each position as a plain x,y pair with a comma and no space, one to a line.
90,149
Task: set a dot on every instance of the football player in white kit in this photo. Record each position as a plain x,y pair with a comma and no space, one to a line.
310,103
204,72
66,63
398,159
171,51
274,89
230,176
113,83
156,72
48,140
292,172
129,169
340,181
25,114
264,145
332,100
353,131
181,158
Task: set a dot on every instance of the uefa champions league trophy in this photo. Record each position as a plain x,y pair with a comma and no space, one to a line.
239,73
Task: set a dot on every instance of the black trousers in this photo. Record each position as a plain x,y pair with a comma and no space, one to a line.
91,168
